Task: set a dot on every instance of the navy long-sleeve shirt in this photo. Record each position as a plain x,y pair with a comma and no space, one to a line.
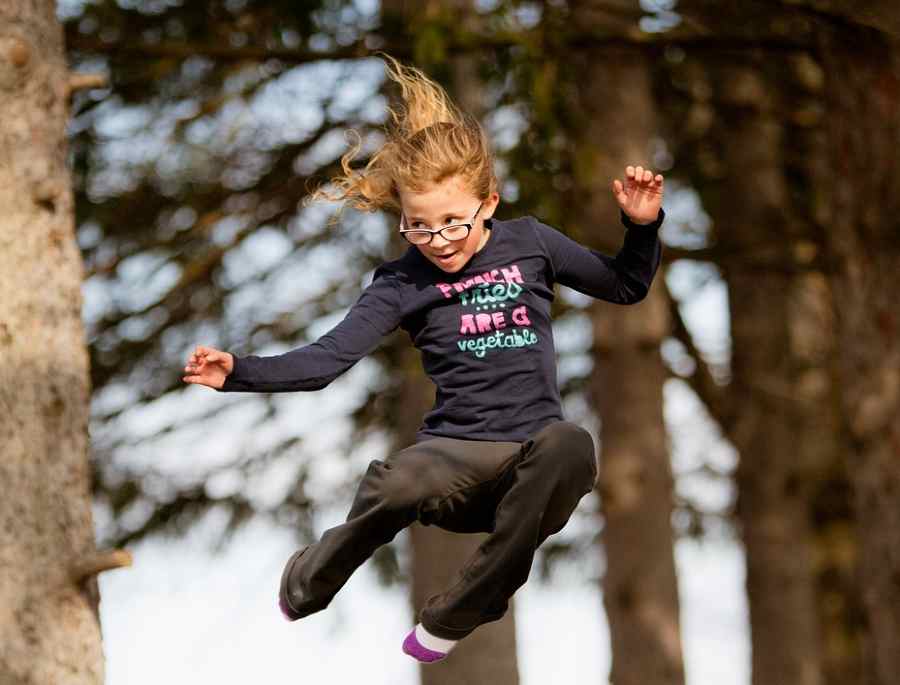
484,332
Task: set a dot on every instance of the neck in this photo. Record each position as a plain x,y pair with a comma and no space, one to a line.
485,234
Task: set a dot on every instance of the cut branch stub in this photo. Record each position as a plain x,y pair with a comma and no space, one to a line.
98,562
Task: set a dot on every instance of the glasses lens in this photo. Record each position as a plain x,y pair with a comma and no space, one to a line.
455,232
418,237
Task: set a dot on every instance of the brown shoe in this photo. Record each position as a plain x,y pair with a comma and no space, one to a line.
284,603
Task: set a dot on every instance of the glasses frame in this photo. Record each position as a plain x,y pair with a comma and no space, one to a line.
469,225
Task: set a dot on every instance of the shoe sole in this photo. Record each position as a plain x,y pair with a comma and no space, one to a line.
284,603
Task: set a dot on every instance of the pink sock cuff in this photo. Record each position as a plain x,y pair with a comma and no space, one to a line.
418,651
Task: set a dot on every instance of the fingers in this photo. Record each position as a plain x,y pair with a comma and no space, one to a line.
619,191
204,354
643,177
196,380
196,362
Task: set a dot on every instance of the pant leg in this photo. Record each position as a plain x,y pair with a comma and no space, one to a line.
430,481
538,494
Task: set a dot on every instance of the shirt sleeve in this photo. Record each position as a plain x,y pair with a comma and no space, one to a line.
623,279
374,314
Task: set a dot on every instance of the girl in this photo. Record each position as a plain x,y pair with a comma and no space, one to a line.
495,453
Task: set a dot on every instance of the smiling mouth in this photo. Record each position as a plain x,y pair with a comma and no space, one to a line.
445,257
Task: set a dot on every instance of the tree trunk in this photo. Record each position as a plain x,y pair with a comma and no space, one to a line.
858,205
755,135
773,476
640,589
49,623
488,655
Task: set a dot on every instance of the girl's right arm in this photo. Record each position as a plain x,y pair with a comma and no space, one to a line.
311,367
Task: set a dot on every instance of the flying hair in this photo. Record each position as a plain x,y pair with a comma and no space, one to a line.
428,140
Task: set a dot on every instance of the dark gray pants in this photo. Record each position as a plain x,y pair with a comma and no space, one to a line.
519,492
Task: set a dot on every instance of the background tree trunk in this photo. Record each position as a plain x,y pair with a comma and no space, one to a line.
773,482
487,655
862,90
640,588
753,139
49,623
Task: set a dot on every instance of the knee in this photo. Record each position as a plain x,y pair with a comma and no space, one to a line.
394,486
565,436
571,447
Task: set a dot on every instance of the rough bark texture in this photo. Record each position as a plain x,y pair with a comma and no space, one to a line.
859,204
640,588
768,378
49,624
824,449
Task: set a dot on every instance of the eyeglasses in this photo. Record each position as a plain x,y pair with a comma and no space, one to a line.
422,236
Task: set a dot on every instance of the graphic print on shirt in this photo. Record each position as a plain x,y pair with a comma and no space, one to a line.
490,314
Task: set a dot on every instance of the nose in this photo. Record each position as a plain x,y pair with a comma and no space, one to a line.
438,242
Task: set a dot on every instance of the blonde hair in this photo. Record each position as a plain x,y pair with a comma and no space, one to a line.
431,140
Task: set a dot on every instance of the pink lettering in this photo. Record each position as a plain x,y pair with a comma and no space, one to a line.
520,317
509,274
512,273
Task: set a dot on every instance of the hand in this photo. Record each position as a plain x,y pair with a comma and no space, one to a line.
209,366
641,196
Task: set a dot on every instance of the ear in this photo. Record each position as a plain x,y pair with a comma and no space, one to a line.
490,205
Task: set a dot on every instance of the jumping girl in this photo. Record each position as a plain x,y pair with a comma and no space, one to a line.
495,453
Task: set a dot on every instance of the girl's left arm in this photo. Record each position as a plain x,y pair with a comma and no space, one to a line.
623,279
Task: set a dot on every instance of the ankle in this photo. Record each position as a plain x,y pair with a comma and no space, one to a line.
433,642
425,647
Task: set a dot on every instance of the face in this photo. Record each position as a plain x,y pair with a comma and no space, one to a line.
442,204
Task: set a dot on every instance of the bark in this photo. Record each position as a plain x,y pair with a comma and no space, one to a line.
858,205
640,589
488,655
831,515
747,158
828,222
776,470
883,15
49,623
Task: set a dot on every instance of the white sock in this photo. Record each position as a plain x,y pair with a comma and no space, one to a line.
433,642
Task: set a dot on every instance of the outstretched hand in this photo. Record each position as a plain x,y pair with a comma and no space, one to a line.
641,196
208,366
